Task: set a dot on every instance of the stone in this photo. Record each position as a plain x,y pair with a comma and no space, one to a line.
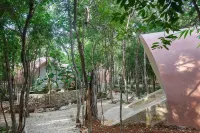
57,99
49,109
40,110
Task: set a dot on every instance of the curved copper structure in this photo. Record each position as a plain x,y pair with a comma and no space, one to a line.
178,71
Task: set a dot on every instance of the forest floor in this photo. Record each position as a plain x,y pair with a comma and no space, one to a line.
64,122
139,128
52,122
59,121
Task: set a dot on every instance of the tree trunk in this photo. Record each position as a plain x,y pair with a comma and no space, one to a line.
78,81
81,53
136,71
24,63
100,91
124,68
13,67
105,80
31,76
124,61
154,83
111,76
10,89
27,92
145,75
121,84
93,90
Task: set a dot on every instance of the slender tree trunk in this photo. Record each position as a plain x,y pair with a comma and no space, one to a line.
154,83
13,67
93,87
81,53
111,76
124,61
31,71
105,80
99,79
145,74
49,87
121,88
136,71
24,63
124,68
78,81
27,92
10,89
78,89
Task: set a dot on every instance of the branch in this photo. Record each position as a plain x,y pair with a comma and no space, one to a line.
29,16
196,8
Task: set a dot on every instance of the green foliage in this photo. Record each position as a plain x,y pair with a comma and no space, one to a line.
109,26
3,129
168,14
161,12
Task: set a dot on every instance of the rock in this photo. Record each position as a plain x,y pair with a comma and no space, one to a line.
64,108
56,108
49,109
52,91
40,110
58,99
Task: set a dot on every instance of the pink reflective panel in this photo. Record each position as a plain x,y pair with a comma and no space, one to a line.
178,71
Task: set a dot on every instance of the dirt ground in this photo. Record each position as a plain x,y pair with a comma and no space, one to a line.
140,128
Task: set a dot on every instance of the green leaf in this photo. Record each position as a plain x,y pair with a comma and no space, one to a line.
186,33
164,8
165,47
182,32
155,43
191,31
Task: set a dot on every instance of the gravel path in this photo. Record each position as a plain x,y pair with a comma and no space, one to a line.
59,121
52,122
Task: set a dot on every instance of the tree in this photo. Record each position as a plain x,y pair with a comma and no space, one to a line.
81,53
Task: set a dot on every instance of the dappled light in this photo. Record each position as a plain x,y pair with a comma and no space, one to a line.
185,63
99,66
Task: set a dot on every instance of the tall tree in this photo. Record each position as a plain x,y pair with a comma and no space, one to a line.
81,53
